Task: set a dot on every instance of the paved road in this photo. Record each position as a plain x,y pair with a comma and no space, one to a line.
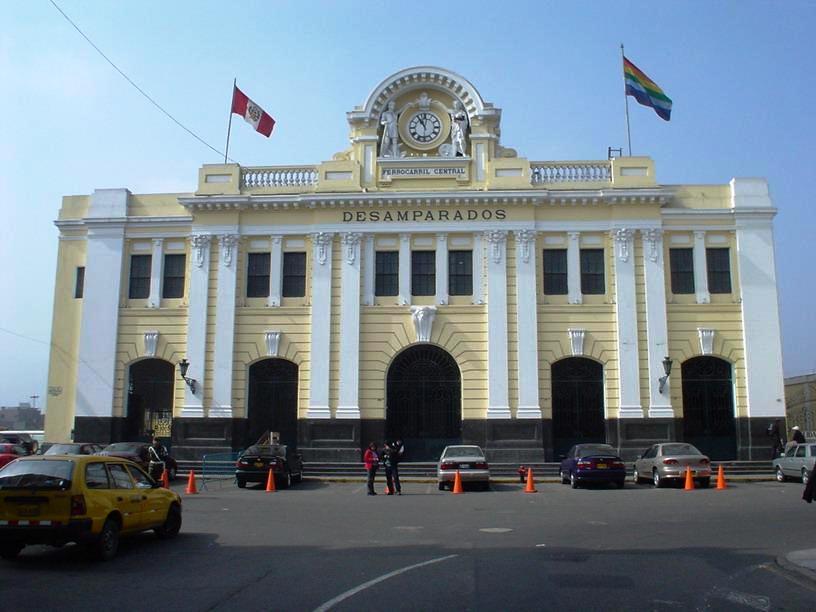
329,546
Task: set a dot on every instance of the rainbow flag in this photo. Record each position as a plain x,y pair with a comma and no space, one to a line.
645,90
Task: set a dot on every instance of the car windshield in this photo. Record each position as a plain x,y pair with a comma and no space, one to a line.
63,449
680,449
599,449
132,447
463,451
49,474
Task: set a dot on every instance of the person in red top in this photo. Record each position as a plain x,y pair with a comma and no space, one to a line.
372,461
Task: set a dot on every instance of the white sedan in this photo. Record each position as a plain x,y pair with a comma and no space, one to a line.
468,460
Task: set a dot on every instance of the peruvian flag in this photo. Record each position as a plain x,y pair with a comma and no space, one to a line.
251,112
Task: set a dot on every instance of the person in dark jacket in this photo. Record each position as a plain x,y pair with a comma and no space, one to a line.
392,454
775,433
797,435
371,460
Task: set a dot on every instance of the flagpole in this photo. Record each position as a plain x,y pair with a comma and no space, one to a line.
229,124
626,101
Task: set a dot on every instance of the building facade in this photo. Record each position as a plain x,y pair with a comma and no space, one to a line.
427,282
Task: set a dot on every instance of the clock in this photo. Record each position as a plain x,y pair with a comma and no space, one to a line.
424,127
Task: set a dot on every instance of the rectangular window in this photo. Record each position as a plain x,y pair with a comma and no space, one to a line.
139,277
294,275
718,262
79,287
555,272
173,282
386,280
423,272
681,265
258,275
592,272
460,272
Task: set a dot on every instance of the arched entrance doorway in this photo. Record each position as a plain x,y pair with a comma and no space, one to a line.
708,407
577,403
149,399
424,401
272,401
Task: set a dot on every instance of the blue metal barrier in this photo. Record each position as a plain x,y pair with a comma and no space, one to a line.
218,466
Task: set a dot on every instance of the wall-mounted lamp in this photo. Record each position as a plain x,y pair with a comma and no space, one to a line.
667,366
191,382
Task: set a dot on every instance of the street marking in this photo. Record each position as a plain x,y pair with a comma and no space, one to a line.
351,592
541,545
757,602
496,529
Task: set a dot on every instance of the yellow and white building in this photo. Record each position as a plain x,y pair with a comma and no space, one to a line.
427,283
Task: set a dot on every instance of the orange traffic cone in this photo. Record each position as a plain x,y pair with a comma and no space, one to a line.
270,482
165,479
457,484
689,480
721,478
191,484
530,488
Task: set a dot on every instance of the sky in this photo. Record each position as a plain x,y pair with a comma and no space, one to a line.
740,73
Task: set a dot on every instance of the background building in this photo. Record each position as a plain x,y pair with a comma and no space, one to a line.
429,283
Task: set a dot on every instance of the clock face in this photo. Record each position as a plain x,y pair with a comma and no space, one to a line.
424,127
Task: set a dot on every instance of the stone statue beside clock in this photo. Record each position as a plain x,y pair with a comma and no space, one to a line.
424,129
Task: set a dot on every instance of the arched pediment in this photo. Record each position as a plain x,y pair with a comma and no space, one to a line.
423,77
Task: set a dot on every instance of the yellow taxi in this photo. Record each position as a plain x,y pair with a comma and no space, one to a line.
55,499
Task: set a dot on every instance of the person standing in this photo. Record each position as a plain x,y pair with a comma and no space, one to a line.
397,451
797,435
371,460
776,436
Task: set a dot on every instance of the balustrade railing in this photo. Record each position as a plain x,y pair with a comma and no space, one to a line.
293,177
544,173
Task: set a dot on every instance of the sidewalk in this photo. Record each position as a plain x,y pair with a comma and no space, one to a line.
802,562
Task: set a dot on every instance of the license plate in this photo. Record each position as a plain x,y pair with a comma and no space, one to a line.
28,511
601,466
259,464
464,466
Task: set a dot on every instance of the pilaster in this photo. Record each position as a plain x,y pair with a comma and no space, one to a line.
199,268
349,406
656,323
626,319
321,325
224,326
497,367
527,318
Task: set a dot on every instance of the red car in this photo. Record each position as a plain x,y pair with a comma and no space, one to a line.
9,452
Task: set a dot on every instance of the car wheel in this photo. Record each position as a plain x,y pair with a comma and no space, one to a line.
564,479
10,551
172,524
298,477
107,543
441,486
573,480
636,476
656,479
241,483
285,480
805,476
704,482
780,475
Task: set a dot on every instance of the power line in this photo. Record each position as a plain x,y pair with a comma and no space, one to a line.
139,89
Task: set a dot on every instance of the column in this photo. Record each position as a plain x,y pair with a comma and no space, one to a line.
478,265
349,406
498,402
224,326
275,271
369,270
405,269
625,305
656,324
321,326
156,270
527,317
199,267
441,268
700,269
758,296
96,364
574,267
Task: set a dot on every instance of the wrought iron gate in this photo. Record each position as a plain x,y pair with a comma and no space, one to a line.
708,407
149,399
424,404
577,403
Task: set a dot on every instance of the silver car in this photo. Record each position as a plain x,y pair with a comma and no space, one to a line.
468,460
797,463
668,462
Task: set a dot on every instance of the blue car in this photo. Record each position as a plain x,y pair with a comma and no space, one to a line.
592,463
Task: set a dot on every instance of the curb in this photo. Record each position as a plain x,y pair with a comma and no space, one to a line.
787,564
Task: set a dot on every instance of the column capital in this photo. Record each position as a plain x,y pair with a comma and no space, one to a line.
623,242
498,241
524,238
200,244
228,243
321,242
350,240
652,239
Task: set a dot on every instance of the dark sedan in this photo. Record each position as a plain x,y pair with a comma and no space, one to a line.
592,463
138,453
255,462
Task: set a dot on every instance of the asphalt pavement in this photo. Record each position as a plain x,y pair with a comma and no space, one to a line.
328,546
